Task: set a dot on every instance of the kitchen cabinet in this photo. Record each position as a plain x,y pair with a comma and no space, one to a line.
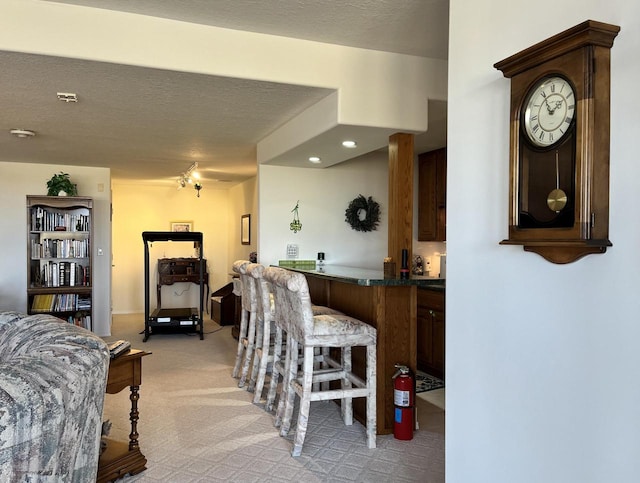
432,195
431,331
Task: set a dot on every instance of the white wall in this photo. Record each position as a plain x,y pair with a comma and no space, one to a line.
138,208
19,180
542,359
324,195
243,200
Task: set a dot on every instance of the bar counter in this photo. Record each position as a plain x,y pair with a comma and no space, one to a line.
389,305
368,277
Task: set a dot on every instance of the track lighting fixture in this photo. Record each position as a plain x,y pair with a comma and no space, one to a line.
187,178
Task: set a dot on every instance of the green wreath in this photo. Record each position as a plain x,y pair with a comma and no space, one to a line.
370,207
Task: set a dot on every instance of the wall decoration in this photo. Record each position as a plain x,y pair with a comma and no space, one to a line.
184,226
245,229
363,214
560,142
295,226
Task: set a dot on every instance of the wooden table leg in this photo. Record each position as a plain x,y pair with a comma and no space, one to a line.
124,457
134,416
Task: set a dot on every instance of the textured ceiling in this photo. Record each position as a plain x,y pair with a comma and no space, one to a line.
141,122
150,124
414,27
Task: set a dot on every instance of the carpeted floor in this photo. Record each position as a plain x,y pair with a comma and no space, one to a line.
196,425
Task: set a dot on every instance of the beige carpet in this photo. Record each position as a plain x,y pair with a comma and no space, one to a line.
196,425
435,397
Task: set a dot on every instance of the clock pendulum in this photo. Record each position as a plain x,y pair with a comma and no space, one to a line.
557,198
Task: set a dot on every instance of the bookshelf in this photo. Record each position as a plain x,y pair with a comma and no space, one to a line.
59,257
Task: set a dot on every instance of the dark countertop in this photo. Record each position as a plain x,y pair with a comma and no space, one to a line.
368,277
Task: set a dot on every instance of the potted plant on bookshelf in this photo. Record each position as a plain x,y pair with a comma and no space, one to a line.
61,185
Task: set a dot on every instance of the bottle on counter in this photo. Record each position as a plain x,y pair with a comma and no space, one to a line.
404,268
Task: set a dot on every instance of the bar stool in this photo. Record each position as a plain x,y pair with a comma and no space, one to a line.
263,352
280,370
246,336
268,339
304,330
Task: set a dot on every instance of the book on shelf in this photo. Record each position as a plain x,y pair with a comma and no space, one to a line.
37,305
86,280
61,274
80,319
42,303
59,248
44,220
63,302
72,274
83,302
55,275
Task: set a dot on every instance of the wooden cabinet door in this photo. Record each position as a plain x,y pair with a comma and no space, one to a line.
432,194
425,339
431,332
438,328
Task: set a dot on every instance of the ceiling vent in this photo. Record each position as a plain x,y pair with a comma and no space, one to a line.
67,97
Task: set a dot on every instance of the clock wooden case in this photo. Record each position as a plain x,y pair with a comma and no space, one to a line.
559,143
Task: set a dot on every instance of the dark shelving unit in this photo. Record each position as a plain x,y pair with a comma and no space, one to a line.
173,319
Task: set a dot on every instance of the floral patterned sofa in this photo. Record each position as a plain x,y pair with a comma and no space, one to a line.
53,377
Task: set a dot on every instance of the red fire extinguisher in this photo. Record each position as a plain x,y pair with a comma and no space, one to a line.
403,400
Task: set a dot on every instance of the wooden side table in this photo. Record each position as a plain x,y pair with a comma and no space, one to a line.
121,457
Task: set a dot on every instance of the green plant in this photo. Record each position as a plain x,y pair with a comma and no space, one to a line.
61,182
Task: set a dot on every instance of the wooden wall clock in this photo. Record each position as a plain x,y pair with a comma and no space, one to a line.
559,143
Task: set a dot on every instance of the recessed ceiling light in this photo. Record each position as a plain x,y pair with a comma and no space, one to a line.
314,159
22,133
349,144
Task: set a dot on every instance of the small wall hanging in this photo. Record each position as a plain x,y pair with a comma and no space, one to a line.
295,226
363,214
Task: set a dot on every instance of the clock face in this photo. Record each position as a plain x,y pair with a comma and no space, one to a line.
549,111
547,155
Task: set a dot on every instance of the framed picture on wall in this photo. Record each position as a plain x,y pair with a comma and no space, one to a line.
181,226
245,229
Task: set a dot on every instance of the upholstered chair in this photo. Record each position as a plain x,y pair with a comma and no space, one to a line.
307,332
265,331
53,377
265,346
247,334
